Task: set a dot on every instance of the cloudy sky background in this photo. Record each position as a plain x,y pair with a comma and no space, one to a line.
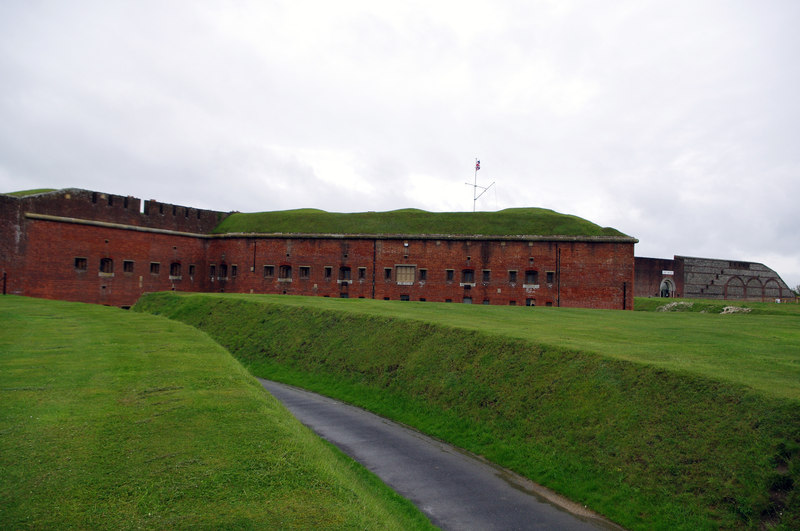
676,122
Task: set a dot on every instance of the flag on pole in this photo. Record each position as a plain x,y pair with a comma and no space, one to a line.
477,165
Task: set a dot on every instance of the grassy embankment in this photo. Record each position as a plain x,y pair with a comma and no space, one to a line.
23,193
118,420
657,420
512,221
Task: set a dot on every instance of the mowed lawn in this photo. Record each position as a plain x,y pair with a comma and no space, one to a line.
760,350
114,419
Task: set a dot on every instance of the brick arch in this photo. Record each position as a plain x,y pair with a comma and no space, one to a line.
753,289
772,289
734,288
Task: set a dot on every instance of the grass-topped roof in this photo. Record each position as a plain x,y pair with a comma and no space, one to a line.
509,222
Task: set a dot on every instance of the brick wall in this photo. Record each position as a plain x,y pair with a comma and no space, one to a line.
126,210
93,247
63,260
711,278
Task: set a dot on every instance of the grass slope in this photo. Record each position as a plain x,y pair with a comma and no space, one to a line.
515,221
117,420
648,447
23,193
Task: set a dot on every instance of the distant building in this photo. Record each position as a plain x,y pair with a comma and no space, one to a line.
708,278
80,245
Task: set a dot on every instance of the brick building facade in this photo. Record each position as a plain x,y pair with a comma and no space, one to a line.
708,278
91,247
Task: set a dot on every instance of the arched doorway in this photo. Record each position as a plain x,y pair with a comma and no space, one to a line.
667,288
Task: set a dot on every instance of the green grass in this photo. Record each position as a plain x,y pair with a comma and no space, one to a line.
516,221
761,351
601,406
119,420
23,193
715,306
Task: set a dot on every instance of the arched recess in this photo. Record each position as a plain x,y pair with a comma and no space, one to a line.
734,288
772,289
667,288
753,289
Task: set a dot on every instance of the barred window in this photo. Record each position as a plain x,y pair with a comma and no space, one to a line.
106,265
405,274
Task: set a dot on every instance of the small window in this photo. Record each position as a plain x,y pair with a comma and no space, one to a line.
548,303
387,273
223,271
269,271
328,272
449,274
512,276
468,276
305,272
155,267
530,302
423,275
344,273
486,275
127,266
234,270
512,303
405,274
191,270
106,265
405,298
285,272
448,300
344,295
81,264
212,270
467,300
175,269
485,301
362,273
531,277
550,276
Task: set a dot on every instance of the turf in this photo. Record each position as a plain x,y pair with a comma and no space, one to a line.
509,222
646,439
23,193
119,420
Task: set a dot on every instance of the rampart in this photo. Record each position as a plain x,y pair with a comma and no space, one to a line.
709,278
100,248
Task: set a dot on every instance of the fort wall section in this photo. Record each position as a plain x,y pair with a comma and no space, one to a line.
709,278
89,247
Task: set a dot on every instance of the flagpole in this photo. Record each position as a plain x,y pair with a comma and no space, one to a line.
475,185
475,194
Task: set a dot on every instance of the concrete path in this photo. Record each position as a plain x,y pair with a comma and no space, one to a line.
454,489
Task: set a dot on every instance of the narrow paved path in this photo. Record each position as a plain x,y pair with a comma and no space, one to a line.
455,490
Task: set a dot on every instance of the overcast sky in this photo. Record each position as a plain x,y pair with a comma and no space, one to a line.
676,122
